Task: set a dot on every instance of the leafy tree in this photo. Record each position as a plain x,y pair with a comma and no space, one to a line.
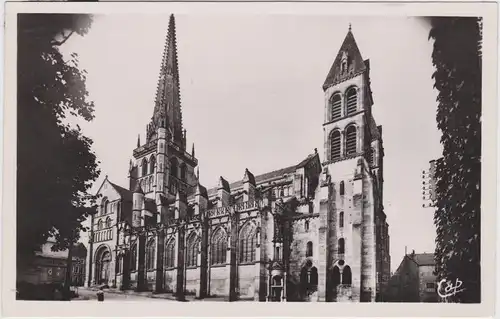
457,59
55,164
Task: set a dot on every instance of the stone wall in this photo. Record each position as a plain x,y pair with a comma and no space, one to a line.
133,280
192,280
150,279
246,281
218,281
298,249
170,280
426,276
368,271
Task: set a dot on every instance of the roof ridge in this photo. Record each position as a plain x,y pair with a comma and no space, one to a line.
258,178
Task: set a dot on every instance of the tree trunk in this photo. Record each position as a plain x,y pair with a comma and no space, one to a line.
67,277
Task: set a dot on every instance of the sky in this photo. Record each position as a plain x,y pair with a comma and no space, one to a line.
251,89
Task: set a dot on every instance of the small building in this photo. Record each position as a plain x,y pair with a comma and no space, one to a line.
414,280
49,267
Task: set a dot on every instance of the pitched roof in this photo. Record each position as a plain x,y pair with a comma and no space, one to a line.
124,193
350,47
268,176
426,259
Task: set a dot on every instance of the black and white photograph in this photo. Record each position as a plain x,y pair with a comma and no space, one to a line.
265,157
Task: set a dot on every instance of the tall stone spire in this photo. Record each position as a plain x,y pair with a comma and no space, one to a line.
167,111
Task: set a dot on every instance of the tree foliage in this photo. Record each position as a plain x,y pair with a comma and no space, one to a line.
457,60
55,164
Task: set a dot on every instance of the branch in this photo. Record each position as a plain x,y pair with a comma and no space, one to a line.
58,43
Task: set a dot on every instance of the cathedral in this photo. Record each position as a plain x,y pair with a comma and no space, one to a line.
315,231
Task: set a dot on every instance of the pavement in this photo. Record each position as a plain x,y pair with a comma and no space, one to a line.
130,295
89,294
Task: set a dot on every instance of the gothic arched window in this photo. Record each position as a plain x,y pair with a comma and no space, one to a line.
218,247
342,188
152,164
144,167
133,258
192,251
150,255
170,254
174,167
309,250
100,225
350,142
183,171
335,277
335,145
352,100
247,243
341,219
336,106
108,222
313,276
306,225
104,206
346,276
341,249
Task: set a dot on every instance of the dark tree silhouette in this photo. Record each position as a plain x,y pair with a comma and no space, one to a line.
55,164
457,59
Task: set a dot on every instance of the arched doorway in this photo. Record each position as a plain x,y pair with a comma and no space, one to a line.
276,288
277,282
339,285
346,276
103,261
333,281
309,281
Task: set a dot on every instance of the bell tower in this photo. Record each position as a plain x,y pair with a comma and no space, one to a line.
164,166
352,162
348,103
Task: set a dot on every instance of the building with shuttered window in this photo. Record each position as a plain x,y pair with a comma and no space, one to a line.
311,231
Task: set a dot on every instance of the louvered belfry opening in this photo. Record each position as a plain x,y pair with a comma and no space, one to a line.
335,146
350,140
352,101
336,107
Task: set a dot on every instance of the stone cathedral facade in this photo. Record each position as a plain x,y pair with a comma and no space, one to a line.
313,231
